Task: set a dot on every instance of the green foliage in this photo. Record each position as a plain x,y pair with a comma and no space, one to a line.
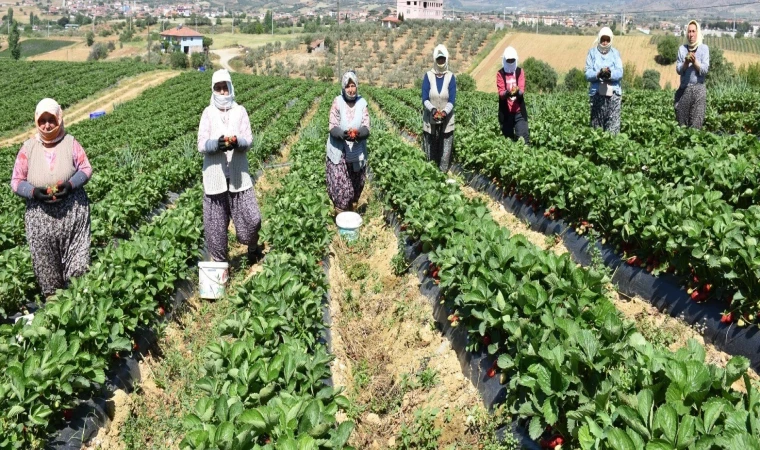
651,80
13,42
575,80
751,74
178,60
325,73
207,42
97,52
465,82
667,50
422,434
197,59
539,76
720,69
90,38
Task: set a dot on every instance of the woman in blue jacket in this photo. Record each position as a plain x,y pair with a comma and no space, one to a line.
604,70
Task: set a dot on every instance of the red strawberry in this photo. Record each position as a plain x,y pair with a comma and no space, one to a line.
694,295
435,274
708,287
547,214
136,346
727,318
633,261
116,355
486,340
491,372
68,414
403,227
161,311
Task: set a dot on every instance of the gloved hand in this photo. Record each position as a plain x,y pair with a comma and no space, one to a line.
64,190
433,111
232,142
363,133
337,133
221,143
41,194
352,134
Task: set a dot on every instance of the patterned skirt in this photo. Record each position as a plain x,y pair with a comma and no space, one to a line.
59,239
605,113
242,208
344,184
690,103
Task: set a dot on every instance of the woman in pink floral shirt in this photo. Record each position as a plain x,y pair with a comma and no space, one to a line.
50,172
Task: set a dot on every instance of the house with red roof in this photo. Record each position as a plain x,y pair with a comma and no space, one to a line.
187,40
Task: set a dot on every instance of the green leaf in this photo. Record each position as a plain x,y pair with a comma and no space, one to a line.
255,419
686,432
645,402
712,409
632,419
225,433
619,440
341,435
536,428
666,420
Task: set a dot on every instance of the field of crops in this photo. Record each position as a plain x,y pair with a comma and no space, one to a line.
570,369
33,47
744,45
27,83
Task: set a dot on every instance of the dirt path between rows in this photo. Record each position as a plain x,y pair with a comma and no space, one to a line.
105,100
397,368
225,55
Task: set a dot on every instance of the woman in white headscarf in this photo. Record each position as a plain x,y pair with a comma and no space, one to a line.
692,64
50,172
346,161
604,70
439,95
510,84
224,138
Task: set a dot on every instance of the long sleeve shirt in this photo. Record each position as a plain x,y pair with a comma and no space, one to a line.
689,74
439,84
504,89
24,188
596,61
211,127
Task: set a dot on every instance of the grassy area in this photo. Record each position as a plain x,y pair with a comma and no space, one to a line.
223,40
487,49
32,47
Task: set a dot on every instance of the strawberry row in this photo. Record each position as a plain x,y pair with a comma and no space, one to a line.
688,229
574,371
263,382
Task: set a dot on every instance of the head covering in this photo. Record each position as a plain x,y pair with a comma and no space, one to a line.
50,106
698,42
349,76
440,50
509,53
602,48
223,102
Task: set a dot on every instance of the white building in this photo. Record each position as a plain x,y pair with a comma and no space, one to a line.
419,9
187,40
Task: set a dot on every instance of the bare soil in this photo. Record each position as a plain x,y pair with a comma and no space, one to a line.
385,343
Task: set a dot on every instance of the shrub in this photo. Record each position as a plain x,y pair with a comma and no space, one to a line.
196,60
325,73
178,60
465,83
667,50
90,37
751,74
539,76
575,80
99,51
651,80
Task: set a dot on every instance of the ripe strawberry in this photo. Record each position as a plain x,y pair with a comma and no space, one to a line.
435,274
708,287
491,372
727,318
633,261
695,295
116,355
547,214
68,414
135,346
486,340
161,311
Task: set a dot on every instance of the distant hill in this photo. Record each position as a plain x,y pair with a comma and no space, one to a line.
685,7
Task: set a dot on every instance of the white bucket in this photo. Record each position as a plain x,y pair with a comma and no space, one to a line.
212,277
348,225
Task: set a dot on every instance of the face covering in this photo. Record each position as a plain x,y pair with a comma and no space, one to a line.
350,76
604,49
698,40
439,51
509,53
223,102
50,106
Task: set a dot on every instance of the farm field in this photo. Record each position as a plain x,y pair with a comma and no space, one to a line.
33,47
746,45
567,52
445,306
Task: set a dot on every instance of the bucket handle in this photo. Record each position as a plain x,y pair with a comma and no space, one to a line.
213,280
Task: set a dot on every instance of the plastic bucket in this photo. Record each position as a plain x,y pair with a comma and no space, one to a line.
212,279
96,114
348,225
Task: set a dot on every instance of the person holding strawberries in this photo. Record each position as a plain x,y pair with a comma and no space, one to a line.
50,172
604,70
692,64
439,95
224,138
510,84
346,147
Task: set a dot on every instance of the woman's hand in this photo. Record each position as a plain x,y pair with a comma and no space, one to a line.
65,188
41,194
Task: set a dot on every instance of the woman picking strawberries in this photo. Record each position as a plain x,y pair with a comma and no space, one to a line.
692,64
346,160
604,70
224,138
51,169
510,83
439,95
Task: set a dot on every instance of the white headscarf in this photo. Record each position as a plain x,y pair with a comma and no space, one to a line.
699,36
440,50
604,32
509,53
349,76
223,102
50,106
